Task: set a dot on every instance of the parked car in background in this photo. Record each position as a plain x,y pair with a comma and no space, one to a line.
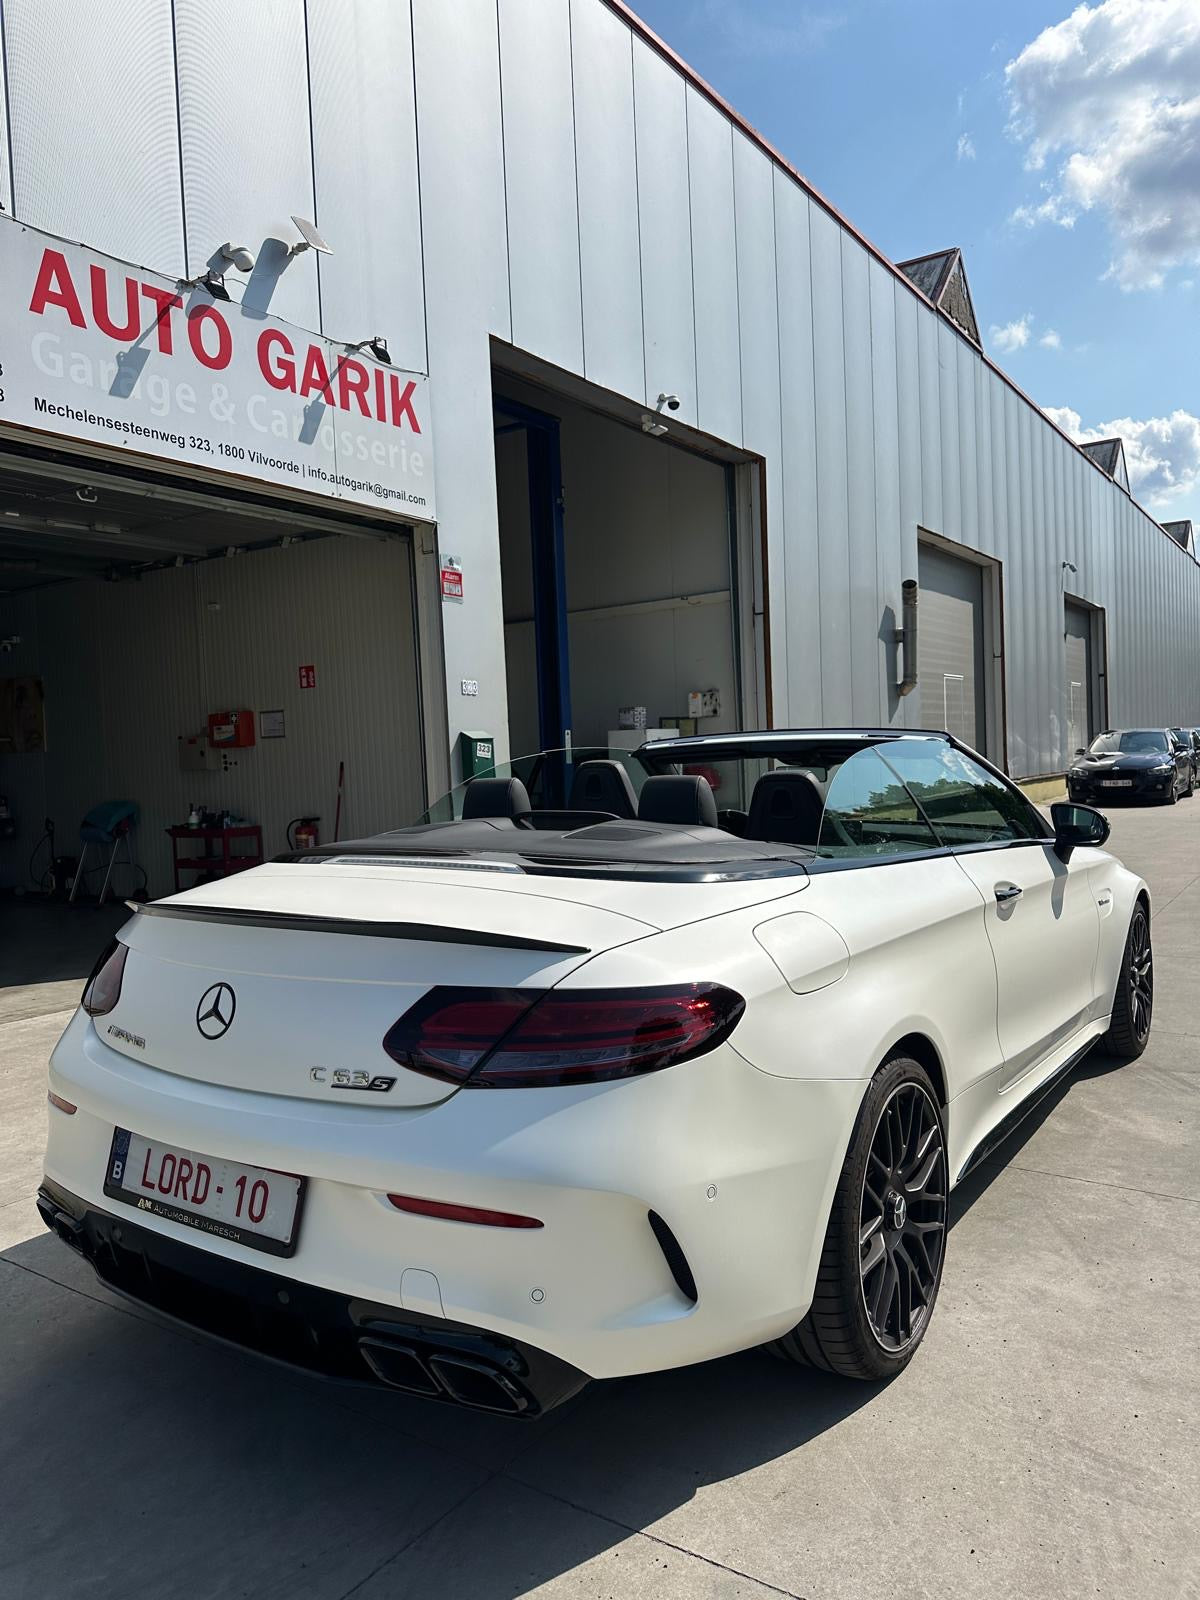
1184,740
1133,763
483,1108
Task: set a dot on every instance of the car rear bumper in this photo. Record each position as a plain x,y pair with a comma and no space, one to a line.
683,1212
333,1335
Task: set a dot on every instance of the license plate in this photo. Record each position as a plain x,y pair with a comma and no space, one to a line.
254,1206
1116,783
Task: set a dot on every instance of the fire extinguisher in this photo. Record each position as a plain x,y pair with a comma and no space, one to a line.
303,833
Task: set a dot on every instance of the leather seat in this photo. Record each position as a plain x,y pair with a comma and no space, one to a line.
684,799
603,786
786,808
496,797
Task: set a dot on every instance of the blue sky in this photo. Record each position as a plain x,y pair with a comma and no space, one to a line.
1058,145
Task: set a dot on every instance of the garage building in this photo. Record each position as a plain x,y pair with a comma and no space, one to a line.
484,373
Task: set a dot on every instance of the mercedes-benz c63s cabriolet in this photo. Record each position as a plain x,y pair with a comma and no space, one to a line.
481,1109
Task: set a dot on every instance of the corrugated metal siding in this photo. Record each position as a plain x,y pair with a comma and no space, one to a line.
128,667
638,280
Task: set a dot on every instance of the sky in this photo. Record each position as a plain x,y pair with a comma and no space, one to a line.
1059,147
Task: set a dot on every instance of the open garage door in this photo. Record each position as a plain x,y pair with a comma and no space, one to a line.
132,613
950,669
619,576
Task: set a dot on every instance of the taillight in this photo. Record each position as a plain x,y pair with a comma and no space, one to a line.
103,988
525,1038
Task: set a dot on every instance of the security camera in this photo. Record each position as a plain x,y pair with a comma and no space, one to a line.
671,401
238,256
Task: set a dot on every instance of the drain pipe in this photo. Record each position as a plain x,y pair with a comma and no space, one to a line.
906,637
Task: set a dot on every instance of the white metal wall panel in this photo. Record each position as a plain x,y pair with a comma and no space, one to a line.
833,515
758,318
5,147
798,573
664,214
606,162
908,430
364,130
457,56
714,270
862,575
95,142
247,145
884,425
539,179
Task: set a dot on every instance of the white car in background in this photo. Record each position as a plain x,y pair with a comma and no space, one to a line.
484,1108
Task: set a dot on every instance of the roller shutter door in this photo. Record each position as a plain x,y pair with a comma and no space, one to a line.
950,666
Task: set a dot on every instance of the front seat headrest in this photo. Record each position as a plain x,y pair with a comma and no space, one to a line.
786,808
495,797
684,799
603,786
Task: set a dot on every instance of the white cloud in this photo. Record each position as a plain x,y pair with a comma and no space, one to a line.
966,147
1162,453
1012,336
1107,103
1050,340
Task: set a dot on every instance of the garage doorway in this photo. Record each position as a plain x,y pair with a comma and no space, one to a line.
136,610
619,574
953,645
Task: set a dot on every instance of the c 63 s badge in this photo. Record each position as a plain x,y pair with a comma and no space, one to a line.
343,1078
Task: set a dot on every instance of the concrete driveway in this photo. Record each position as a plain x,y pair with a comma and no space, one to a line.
1043,1443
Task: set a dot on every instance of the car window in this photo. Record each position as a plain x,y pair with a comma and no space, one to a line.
965,802
869,812
1138,741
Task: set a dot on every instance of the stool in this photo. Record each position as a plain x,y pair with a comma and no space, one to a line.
107,824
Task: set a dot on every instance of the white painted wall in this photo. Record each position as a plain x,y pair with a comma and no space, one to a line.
128,667
533,171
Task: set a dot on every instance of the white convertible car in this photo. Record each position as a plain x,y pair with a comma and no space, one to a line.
485,1108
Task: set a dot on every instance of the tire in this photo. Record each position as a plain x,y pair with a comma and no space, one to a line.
1133,1005
878,1281
1191,788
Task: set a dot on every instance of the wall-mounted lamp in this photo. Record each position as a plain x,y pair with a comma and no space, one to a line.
309,239
211,282
1067,566
377,346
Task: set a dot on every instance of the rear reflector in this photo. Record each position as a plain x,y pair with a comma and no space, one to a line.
449,1213
103,988
57,1101
528,1038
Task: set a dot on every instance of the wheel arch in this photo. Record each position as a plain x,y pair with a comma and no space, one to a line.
923,1050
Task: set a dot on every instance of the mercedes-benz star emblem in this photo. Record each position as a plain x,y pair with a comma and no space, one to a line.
214,1014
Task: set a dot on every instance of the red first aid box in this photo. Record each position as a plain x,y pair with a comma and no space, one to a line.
230,730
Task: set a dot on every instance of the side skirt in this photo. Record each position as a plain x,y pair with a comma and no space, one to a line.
1010,1123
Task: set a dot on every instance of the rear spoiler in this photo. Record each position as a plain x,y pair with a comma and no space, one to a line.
425,932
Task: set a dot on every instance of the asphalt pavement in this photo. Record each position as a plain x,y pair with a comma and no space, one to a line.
1042,1444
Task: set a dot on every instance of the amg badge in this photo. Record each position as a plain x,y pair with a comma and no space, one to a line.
342,1078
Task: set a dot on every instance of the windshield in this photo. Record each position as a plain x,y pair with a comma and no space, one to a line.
1139,741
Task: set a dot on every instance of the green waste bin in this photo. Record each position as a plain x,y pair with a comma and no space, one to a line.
477,752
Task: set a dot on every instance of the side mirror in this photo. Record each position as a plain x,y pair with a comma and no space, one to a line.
1081,751
1076,825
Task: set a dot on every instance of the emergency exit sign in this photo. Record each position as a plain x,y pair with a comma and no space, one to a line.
308,677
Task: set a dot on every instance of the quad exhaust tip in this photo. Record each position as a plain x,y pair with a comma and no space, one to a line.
446,1375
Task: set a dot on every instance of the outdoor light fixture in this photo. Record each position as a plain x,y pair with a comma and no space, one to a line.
213,283
652,425
377,346
309,239
237,256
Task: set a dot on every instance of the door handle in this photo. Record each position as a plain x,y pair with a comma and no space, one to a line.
1007,891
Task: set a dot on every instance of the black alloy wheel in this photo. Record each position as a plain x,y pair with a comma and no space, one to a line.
881,1264
902,1218
1133,1004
